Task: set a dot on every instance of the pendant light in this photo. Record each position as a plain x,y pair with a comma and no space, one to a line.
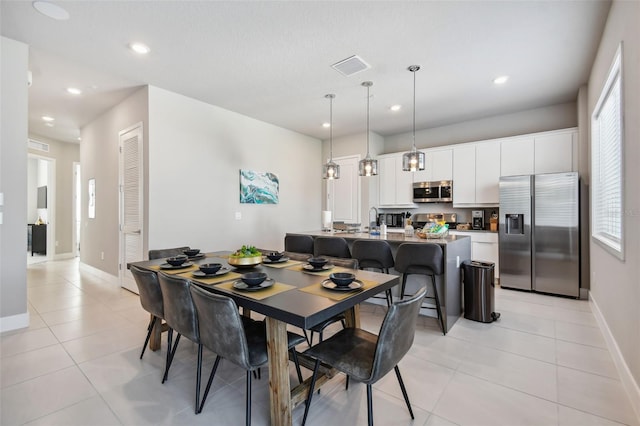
413,160
330,170
368,166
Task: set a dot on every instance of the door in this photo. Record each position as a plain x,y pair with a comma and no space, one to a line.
344,193
131,202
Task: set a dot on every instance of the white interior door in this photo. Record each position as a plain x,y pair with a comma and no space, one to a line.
131,202
344,193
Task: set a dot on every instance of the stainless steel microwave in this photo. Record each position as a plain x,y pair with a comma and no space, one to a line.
433,192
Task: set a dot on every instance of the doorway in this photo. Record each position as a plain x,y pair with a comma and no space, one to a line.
76,208
41,207
343,195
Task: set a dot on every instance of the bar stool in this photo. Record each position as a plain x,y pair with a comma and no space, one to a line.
374,254
298,247
331,246
421,259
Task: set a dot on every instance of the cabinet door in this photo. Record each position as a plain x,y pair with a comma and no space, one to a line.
464,175
425,175
516,157
487,173
487,252
441,164
387,180
554,153
404,184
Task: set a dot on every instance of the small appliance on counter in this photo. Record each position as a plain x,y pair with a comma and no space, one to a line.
392,220
477,219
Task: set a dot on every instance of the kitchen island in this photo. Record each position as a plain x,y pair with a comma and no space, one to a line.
456,249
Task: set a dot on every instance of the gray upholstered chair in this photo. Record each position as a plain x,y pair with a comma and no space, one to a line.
226,333
298,247
367,357
331,246
374,254
150,299
422,259
169,252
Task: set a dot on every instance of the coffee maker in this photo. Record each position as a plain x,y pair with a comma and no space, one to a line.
477,219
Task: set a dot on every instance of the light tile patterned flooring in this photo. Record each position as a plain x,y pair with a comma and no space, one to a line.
544,363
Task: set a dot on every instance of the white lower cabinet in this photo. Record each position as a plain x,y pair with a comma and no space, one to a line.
484,247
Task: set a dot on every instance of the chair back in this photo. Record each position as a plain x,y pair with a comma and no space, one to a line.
420,258
169,252
372,254
298,243
396,334
149,291
331,246
221,328
179,310
344,263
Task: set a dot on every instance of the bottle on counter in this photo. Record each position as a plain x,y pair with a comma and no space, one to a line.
383,229
408,229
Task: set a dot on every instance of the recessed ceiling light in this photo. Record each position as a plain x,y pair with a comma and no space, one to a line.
501,80
47,118
326,125
48,124
395,107
140,48
74,91
51,10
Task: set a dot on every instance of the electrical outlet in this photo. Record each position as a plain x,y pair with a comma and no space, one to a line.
101,255
57,243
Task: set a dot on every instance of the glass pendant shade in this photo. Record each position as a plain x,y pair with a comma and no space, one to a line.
330,170
413,160
368,166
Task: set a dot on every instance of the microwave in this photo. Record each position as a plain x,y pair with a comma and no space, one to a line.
433,192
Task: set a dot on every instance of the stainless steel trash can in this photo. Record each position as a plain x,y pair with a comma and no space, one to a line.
479,299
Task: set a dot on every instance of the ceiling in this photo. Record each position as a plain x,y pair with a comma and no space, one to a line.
272,60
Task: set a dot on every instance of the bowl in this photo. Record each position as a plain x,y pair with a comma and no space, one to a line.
317,262
253,279
210,268
191,252
177,260
342,279
273,256
245,262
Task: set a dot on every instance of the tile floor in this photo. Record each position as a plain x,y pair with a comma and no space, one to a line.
544,363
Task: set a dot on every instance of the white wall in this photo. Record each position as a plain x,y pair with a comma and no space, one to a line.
14,57
196,151
32,190
615,284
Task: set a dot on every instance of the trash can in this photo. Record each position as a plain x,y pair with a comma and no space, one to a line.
479,302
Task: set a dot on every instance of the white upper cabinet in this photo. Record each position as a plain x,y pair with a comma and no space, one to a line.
554,152
464,175
516,156
438,166
396,185
476,174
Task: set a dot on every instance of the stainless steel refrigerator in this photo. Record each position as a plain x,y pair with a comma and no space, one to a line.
539,233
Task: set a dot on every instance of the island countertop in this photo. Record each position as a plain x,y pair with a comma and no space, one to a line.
391,237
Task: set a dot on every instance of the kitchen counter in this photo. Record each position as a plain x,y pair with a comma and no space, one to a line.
456,249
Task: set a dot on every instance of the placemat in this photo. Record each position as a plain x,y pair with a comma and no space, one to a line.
260,294
213,280
318,290
193,267
300,268
286,264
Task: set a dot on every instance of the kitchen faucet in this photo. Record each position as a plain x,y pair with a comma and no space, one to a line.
372,224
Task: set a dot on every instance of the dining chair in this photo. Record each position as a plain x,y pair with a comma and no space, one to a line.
168,252
366,357
422,259
226,333
374,254
150,299
331,246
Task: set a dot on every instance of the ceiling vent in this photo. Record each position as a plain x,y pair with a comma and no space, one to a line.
350,66
37,145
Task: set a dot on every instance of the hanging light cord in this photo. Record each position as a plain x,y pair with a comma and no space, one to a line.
330,128
368,98
414,108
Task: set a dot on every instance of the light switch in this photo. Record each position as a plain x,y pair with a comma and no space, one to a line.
1,198
0,218
238,215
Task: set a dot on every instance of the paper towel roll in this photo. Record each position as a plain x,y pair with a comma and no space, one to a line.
326,219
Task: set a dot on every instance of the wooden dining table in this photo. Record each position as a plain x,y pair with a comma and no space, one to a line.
298,298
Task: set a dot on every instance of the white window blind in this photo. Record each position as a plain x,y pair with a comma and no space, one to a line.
606,140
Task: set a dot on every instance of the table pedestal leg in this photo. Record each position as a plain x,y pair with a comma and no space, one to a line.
352,317
279,386
155,341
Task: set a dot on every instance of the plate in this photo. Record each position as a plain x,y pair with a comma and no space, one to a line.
240,285
220,271
330,285
310,268
198,256
281,260
168,266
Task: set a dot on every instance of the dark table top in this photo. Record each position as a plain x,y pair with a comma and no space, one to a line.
295,307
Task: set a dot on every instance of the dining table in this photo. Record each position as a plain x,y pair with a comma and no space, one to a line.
295,296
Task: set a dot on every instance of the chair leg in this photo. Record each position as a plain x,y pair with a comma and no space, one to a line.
170,353
435,294
150,329
211,376
347,386
404,390
389,298
198,377
369,405
248,403
297,364
306,336
404,284
311,387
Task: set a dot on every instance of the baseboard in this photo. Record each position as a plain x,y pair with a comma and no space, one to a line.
63,256
628,381
112,279
14,322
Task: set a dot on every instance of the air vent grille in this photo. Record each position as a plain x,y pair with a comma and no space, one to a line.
350,66
40,146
